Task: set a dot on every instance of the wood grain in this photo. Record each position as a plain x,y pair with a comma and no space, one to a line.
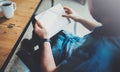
11,29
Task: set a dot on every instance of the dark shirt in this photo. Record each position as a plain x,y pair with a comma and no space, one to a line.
98,51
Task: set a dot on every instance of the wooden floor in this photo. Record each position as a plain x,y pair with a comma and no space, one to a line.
11,29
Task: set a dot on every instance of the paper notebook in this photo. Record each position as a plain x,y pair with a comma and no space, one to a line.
52,19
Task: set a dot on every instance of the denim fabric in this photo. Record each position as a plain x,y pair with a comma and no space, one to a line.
96,52
63,44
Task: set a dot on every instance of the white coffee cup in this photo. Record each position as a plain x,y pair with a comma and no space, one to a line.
8,9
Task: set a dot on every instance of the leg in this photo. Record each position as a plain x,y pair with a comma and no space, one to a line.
61,43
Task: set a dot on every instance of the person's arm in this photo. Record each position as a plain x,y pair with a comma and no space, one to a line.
87,23
47,61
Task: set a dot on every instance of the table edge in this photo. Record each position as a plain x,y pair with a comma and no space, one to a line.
19,39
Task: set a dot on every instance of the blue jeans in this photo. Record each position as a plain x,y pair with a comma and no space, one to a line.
63,44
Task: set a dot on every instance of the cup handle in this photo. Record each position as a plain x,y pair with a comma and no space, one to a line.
14,6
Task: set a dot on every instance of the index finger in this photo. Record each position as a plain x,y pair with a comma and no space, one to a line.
68,10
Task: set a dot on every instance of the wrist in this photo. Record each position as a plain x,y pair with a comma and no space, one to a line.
45,40
81,20
44,37
77,19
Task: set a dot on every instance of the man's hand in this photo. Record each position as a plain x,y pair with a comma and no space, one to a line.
70,14
40,30
87,23
47,62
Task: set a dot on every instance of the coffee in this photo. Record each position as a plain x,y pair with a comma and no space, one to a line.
6,4
8,9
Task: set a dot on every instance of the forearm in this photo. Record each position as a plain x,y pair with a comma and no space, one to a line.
47,62
88,24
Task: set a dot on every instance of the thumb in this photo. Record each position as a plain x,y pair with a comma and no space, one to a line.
66,16
73,17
